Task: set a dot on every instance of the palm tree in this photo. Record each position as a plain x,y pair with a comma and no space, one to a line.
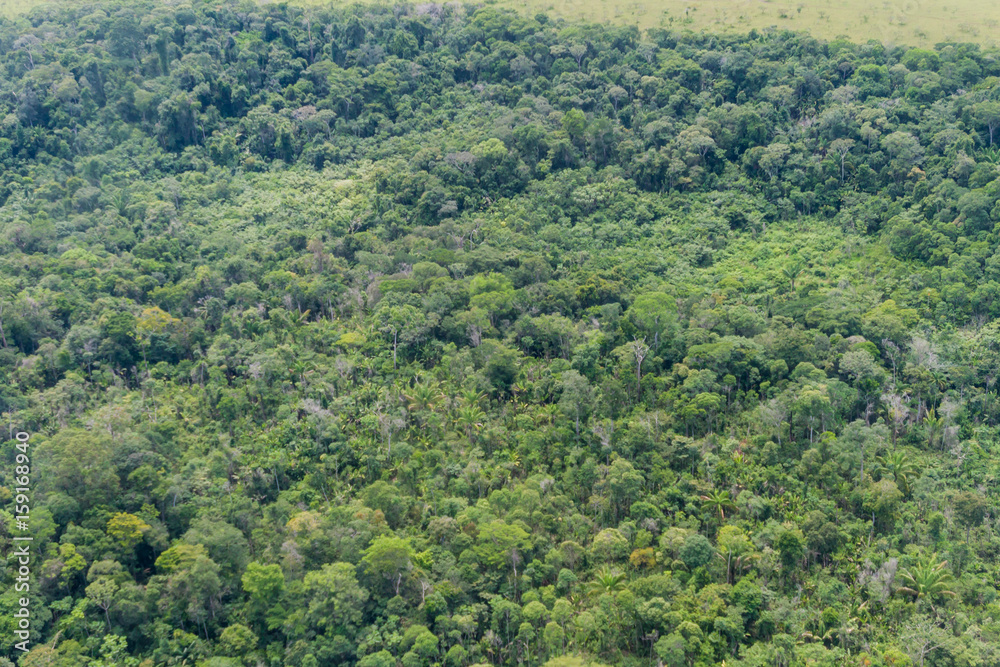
821,635
470,418
546,414
606,582
902,467
253,328
296,319
927,579
792,271
792,502
989,154
421,398
302,369
472,397
719,501
513,458
935,427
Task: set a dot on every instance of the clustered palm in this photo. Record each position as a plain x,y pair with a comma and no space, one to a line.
902,467
606,582
927,579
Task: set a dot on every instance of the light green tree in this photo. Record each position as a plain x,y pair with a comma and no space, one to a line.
500,543
655,313
389,557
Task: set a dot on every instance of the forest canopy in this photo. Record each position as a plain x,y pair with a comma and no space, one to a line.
419,335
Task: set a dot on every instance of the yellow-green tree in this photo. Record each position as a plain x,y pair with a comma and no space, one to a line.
127,530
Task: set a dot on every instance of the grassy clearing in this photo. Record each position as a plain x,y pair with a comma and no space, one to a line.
917,22
11,8
912,22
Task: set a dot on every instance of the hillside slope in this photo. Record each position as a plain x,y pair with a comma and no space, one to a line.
439,335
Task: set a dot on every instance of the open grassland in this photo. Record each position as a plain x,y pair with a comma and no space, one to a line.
12,7
915,22
912,22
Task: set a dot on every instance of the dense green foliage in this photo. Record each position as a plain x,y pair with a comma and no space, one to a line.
432,335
